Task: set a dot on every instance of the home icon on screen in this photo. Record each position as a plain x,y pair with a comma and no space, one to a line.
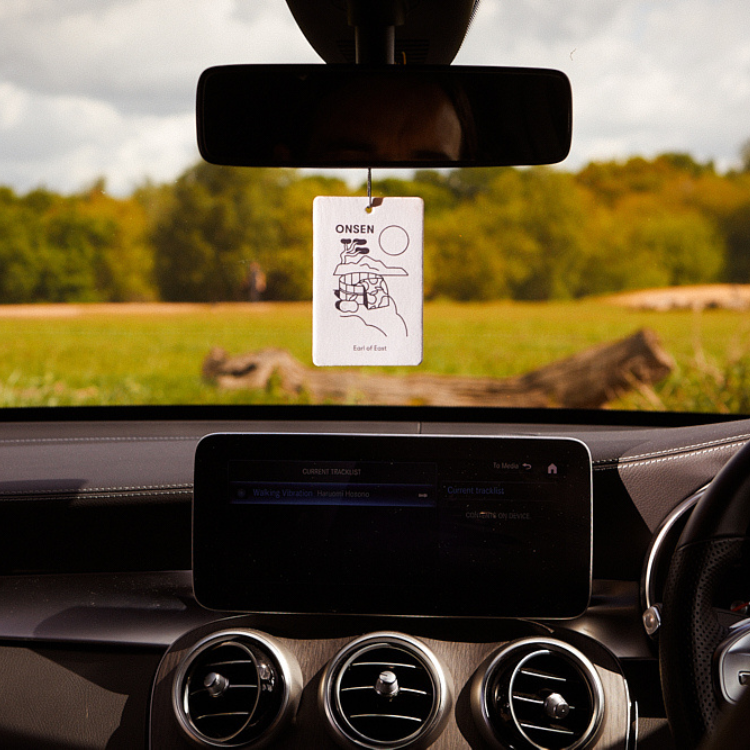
552,469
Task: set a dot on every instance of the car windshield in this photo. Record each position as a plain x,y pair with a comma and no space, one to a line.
133,273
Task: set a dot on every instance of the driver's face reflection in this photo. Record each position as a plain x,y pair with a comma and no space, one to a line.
382,120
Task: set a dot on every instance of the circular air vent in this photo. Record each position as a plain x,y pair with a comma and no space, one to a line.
538,693
235,688
385,690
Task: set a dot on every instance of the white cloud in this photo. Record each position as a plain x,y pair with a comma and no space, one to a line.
107,87
139,55
647,76
91,88
66,142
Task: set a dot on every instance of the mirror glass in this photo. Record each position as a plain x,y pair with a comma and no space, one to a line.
391,116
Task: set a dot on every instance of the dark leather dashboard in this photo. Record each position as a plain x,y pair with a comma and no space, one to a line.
95,581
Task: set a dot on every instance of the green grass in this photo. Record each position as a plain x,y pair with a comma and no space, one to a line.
116,356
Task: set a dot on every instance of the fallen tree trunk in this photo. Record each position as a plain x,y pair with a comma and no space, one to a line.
589,379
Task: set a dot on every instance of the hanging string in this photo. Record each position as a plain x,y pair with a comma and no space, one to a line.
369,190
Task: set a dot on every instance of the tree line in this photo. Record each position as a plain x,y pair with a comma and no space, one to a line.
506,233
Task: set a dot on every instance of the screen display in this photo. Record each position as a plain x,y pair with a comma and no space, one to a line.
393,525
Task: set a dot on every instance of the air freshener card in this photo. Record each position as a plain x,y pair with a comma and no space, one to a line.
367,281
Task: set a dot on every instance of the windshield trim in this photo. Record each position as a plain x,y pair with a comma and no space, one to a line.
346,413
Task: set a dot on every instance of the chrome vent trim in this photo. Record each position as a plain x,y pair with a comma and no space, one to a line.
235,689
538,693
385,690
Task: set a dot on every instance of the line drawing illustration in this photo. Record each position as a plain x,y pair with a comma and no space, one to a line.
362,290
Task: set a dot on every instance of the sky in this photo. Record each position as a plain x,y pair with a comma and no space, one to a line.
106,88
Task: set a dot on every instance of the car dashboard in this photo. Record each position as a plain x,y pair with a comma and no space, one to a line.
104,644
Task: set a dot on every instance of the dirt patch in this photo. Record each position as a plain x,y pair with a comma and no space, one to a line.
703,297
73,310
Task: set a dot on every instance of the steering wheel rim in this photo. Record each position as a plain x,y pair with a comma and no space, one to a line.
710,545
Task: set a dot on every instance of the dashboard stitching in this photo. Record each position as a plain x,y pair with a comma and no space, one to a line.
630,463
723,441
599,465
196,438
93,490
149,493
676,451
31,441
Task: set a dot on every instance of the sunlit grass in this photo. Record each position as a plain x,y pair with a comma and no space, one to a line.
123,355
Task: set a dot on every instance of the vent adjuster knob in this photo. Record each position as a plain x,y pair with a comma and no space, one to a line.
387,684
555,706
216,684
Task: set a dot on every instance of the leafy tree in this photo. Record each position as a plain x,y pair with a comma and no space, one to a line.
745,156
125,260
737,232
531,234
215,221
20,238
87,247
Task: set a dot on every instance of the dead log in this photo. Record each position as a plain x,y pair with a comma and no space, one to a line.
590,379
254,370
596,376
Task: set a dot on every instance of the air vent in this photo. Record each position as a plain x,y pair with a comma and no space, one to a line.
538,693
235,689
385,690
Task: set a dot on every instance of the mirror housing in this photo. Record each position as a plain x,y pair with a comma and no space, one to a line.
382,116
427,32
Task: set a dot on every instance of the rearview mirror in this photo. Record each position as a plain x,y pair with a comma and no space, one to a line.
389,116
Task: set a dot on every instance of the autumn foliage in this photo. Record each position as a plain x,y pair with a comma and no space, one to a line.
526,234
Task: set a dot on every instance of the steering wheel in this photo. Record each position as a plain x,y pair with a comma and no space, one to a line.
691,633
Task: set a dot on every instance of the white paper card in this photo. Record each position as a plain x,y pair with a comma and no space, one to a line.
367,281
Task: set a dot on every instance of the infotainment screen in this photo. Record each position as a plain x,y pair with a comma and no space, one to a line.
393,525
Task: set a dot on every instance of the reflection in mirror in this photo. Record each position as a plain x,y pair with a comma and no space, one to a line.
355,116
378,119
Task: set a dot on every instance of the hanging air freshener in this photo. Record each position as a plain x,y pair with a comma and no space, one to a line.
367,281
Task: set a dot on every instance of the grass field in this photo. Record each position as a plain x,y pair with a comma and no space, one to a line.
130,354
